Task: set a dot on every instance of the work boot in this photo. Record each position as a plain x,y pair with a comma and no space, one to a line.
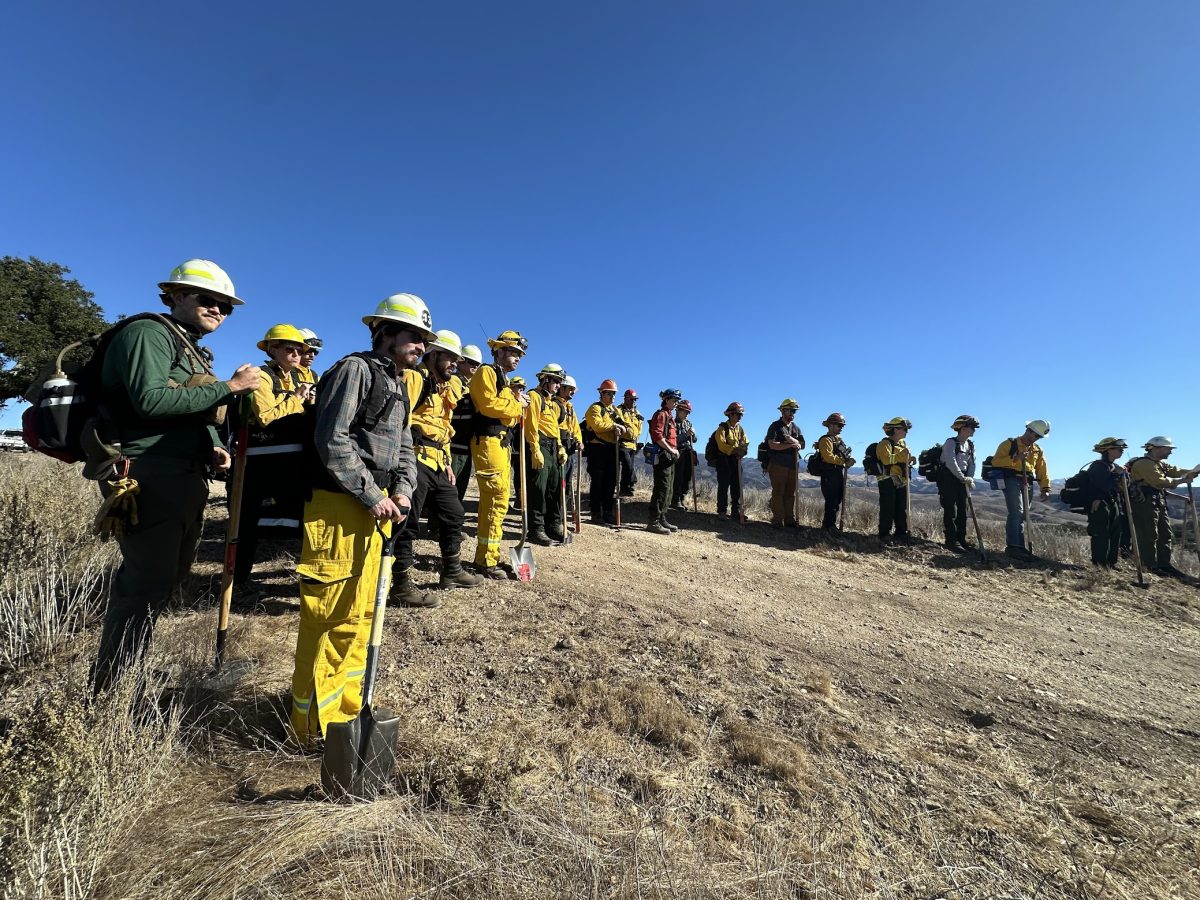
495,573
679,505
538,536
455,576
405,593
1170,571
657,528
1019,553
662,520
556,535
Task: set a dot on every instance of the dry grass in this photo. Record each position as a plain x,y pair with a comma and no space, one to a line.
602,772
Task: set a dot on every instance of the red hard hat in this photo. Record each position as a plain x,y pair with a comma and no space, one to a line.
631,393
735,407
834,417
684,404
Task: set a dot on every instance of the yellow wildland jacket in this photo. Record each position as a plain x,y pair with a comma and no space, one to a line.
1025,458
633,422
492,400
568,424
431,415
827,447
601,420
731,438
895,459
1155,475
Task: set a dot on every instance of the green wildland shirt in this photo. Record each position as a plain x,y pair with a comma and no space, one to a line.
153,417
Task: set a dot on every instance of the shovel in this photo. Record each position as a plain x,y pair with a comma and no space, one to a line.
520,557
567,536
737,461
1025,503
1133,538
223,676
1195,521
360,754
978,534
617,481
576,520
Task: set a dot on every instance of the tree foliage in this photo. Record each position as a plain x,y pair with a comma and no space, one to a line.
41,311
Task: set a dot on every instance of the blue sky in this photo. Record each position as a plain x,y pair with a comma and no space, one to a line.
916,209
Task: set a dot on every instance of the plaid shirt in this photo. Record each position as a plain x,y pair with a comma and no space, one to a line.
349,452
685,435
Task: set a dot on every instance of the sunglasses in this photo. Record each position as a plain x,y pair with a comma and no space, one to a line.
209,302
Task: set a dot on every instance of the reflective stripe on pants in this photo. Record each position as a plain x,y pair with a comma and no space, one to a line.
493,473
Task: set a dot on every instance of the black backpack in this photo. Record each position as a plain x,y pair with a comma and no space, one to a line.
64,400
929,463
712,453
816,465
871,463
764,455
1077,492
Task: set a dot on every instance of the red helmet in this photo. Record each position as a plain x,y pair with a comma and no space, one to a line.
608,385
630,393
685,405
735,407
834,417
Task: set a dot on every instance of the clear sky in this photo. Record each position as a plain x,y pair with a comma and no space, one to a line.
915,209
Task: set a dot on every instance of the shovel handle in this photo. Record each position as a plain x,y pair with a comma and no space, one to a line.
233,525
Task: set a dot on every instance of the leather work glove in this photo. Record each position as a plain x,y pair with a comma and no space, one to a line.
118,512
562,456
897,481
538,461
849,461
970,483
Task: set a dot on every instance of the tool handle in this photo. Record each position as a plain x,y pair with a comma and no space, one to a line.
383,586
233,525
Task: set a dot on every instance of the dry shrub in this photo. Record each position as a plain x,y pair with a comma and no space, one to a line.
442,769
640,709
781,759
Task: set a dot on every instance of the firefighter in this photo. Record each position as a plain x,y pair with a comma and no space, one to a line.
1022,462
544,458
570,435
604,431
279,420
784,443
363,479
955,478
632,422
462,420
1151,476
834,467
498,409
732,446
685,465
896,465
312,346
662,435
1104,512
433,394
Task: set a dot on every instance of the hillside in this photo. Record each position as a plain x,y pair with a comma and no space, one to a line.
729,712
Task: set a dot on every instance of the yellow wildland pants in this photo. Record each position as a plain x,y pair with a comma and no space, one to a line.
493,472
339,567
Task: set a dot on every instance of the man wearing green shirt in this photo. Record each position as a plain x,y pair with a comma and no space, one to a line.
164,401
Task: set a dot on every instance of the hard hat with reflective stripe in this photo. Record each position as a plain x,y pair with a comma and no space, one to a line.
834,417
964,421
448,341
1040,427
282,333
551,370
789,403
517,381
735,407
896,422
1160,440
204,275
310,339
473,353
1109,443
407,309
607,385
568,381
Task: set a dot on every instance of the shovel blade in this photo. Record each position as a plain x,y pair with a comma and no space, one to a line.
521,559
360,755
228,676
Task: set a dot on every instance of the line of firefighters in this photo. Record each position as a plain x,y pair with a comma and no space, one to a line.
396,430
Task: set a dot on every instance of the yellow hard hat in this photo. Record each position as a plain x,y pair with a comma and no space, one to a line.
896,422
509,340
203,274
282,333
789,403
517,381
1109,443
407,309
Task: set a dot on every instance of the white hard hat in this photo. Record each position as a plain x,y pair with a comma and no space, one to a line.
1040,427
447,340
473,353
568,381
311,339
408,309
1159,440
204,274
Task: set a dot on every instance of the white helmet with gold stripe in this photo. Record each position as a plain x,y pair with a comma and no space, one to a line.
204,275
408,309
